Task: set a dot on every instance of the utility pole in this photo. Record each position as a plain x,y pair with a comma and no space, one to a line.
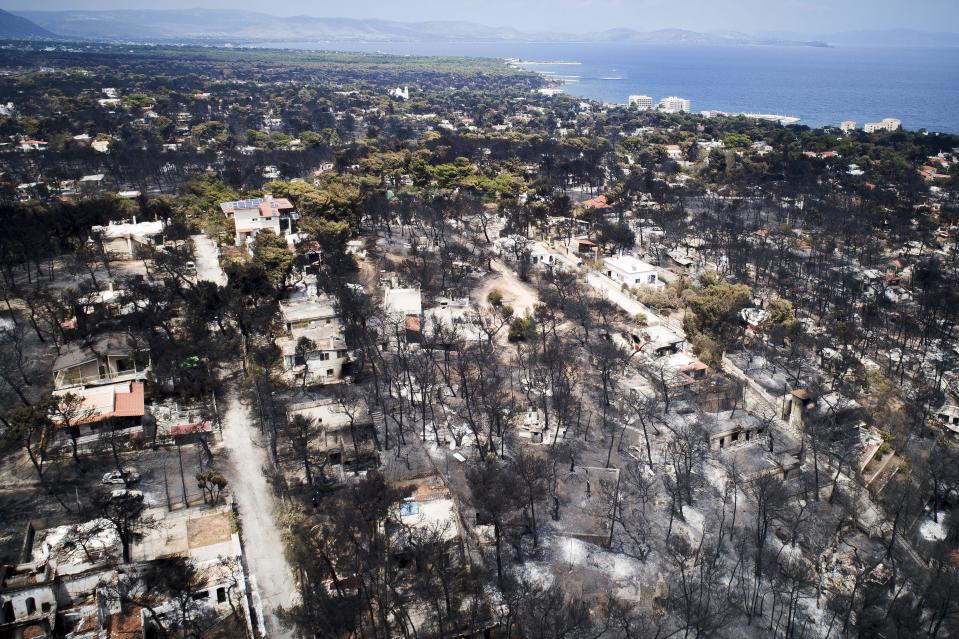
216,411
612,519
166,488
179,454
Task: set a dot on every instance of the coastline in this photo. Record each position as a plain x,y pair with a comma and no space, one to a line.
541,63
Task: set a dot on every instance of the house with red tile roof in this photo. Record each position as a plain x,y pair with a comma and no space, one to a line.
123,401
598,202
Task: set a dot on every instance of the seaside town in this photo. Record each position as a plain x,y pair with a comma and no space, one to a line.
301,344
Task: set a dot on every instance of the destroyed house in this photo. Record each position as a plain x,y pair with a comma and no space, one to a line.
107,358
346,437
656,340
309,313
731,428
318,354
429,510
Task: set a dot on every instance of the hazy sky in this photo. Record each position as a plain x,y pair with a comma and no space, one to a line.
581,15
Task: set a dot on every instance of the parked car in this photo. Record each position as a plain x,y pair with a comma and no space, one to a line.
127,476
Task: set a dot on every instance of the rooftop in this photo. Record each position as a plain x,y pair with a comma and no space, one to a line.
102,402
302,310
598,202
130,229
629,264
324,337
403,301
730,421
660,336
105,345
267,206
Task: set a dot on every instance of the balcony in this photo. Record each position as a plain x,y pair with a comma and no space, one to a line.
70,378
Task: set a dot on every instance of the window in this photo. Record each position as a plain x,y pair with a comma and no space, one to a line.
45,606
203,594
329,372
324,357
31,605
8,615
220,594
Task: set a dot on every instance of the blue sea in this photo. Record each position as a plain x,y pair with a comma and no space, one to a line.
820,85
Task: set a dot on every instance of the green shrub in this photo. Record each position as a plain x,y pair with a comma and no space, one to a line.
519,329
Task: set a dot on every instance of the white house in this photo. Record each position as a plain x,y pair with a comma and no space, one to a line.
321,361
314,318
122,239
631,271
308,313
539,254
258,214
561,258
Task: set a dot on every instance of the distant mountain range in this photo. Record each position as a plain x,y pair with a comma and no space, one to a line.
215,26
14,27
887,38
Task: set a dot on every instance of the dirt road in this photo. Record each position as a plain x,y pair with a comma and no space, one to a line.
247,460
207,260
517,293
262,543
